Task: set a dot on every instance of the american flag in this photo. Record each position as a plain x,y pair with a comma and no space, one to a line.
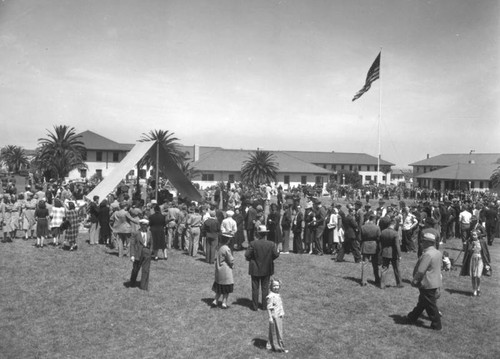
373,74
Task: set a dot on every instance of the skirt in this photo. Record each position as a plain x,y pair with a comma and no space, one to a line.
42,227
222,288
476,265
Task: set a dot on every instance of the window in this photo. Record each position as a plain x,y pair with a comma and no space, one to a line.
98,173
319,180
481,184
350,167
471,184
116,157
334,167
303,179
383,178
142,173
342,167
368,168
83,173
84,156
131,173
231,179
98,156
207,177
287,179
368,178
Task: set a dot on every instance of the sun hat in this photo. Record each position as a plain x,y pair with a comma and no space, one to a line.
229,213
143,221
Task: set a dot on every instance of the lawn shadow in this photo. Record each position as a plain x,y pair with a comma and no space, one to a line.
259,343
201,259
244,302
112,253
353,279
207,301
459,291
407,281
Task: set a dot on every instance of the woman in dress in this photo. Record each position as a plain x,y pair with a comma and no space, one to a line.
224,282
15,218
29,223
71,233
476,259
157,224
42,223
57,214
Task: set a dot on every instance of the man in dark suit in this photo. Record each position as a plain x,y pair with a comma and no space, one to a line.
391,254
261,255
140,255
250,219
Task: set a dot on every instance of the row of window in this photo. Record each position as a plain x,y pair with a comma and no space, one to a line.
99,155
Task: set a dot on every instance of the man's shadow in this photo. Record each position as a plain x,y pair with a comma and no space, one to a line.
244,302
458,291
353,279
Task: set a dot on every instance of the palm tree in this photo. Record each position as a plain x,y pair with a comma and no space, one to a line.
261,167
189,171
61,152
495,178
14,157
167,142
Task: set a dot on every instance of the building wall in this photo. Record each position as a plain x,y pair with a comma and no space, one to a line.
294,179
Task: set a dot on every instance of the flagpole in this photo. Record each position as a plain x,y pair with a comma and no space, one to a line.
379,118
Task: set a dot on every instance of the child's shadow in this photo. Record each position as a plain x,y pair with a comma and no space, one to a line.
259,343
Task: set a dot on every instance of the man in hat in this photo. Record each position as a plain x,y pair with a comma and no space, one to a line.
370,237
261,254
427,278
429,230
250,218
319,229
382,209
228,229
140,255
491,216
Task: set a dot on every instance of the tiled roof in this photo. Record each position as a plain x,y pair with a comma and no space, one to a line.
449,159
93,141
463,172
204,150
232,160
346,158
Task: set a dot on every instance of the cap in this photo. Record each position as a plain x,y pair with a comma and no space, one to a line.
229,213
429,237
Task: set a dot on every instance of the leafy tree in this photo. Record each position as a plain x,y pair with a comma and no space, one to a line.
495,178
61,152
260,168
167,141
14,157
352,178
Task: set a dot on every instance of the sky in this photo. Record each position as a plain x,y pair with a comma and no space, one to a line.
268,74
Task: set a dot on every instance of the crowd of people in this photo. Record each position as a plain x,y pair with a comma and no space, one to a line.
232,219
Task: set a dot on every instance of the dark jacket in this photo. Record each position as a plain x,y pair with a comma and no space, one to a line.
261,254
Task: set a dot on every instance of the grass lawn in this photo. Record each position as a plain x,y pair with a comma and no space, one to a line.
58,304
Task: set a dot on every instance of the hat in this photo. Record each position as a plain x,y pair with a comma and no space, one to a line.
358,203
259,208
262,229
229,213
153,201
429,237
338,205
309,205
143,221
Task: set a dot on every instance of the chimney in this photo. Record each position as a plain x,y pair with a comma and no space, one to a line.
427,156
196,153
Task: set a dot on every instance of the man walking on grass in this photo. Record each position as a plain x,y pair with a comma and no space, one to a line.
427,278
